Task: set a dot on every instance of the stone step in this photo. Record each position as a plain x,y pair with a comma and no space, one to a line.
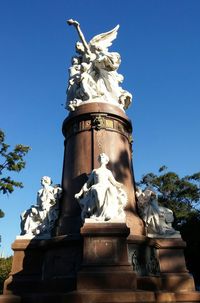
105,296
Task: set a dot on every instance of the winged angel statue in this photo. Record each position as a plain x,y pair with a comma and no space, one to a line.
93,74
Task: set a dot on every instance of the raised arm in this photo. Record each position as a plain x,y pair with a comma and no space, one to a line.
76,24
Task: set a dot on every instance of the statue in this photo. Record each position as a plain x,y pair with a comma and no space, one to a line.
40,218
102,197
93,75
158,219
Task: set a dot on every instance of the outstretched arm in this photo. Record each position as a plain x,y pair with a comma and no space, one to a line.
80,33
113,181
85,187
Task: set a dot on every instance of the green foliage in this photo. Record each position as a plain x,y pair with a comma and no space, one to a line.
10,161
5,268
181,195
1,214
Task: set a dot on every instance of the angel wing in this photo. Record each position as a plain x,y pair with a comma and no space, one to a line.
104,40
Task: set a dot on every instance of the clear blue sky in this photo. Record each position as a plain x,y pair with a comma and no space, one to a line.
159,42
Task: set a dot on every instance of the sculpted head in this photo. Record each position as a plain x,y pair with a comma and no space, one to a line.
46,180
84,67
138,191
75,60
96,49
80,47
151,190
103,158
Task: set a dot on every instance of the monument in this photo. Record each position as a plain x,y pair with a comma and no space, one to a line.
97,238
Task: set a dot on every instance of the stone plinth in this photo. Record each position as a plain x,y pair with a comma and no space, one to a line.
41,266
26,272
160,264
173,271
105,259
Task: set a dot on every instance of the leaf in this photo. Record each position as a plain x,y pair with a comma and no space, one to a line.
162,168
13,161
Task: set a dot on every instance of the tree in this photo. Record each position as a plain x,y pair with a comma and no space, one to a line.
5,268
182,196
12,161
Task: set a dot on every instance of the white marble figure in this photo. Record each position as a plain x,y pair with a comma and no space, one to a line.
40,218
158,219
102,197
93,75
74,78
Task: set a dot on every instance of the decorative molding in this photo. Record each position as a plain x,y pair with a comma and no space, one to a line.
99,122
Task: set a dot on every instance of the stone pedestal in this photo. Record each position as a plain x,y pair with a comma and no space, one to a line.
173,271
105,258
41,266
160,264
106,274
26,272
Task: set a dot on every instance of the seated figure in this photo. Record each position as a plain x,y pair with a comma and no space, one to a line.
102,197
158,219
40,218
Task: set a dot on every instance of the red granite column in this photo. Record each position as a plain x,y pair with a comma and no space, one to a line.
90,130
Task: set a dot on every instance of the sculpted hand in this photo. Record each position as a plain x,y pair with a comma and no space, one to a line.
77,196
119,185
72,22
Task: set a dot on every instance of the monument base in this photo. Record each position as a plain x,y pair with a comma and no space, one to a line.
41,266
47,271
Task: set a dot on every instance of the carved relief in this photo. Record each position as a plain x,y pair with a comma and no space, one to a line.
152,265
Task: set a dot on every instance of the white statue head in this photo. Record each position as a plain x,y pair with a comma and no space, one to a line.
149,187
80,47
75,60
84,67
138,191
169,216
96,49
151,190
103,158
46,180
